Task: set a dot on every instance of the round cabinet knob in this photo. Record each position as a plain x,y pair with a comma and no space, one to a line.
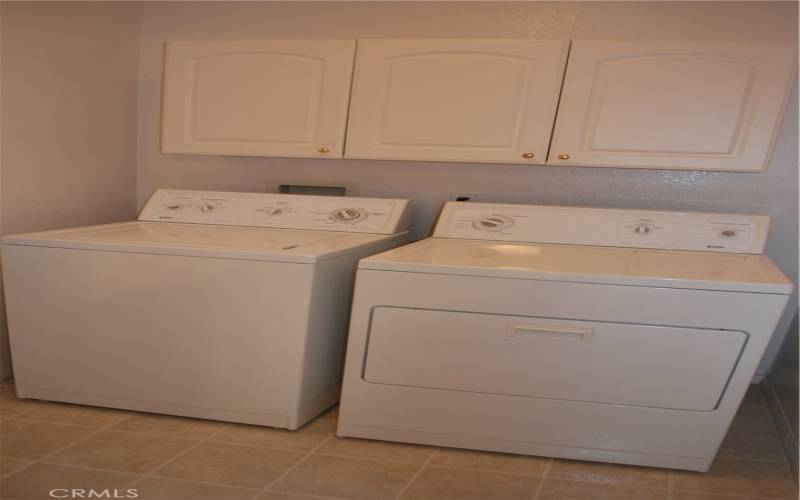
324,149
728,233
563,157
207,207
528,156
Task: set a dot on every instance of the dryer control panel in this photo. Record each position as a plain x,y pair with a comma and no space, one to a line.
604,227
287,211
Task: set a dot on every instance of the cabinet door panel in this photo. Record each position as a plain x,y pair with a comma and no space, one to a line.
270,98
455,100
671,105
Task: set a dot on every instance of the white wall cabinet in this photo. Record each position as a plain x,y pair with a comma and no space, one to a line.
703,106
260,98
631,104
455,100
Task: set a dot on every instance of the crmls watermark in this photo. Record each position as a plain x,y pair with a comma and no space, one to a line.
91,493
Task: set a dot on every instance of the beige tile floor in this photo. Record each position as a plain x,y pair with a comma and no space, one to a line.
49,445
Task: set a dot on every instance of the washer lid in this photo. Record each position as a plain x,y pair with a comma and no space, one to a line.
586,264
202,240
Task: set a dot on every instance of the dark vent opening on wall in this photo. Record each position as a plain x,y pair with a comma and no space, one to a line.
316,190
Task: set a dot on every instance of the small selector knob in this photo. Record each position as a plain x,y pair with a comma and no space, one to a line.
207,207
347,214
642,228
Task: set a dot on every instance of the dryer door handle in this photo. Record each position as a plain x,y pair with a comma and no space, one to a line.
550,332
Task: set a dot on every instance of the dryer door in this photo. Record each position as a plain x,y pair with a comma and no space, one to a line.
601,362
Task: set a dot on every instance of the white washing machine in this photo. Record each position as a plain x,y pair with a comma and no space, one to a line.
226,306
610,335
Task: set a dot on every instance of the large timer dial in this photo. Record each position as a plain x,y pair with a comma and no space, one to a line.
348,215
493,223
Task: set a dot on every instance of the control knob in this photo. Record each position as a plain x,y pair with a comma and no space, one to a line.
493,223
348,214
643,228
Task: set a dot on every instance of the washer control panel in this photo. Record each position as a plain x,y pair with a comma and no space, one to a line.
604,227
287,211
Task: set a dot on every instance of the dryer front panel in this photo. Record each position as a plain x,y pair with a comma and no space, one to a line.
538,357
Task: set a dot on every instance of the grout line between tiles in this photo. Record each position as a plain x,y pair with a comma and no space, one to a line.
756,460
97,431
262,447
142,477
17,469
85,426
402,462
20,415
621,484
86,467
416,474
309,495
487,471
788,468
44,459
197,481
670,483
293,467
545,473
732,496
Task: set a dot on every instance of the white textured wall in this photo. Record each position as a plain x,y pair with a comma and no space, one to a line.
430,183
69,99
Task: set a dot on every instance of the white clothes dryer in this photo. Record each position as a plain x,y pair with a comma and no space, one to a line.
226,306
597,334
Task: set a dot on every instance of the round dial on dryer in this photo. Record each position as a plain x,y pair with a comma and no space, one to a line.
493,223
348,214
208,207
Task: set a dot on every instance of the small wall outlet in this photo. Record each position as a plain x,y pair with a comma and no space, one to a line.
464,196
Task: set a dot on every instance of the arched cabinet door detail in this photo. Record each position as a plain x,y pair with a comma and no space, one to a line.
455,100
697,106
263,98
